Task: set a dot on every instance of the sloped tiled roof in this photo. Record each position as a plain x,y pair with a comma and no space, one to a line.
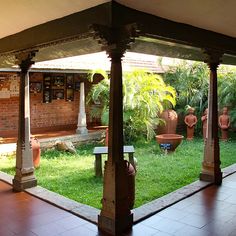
100,60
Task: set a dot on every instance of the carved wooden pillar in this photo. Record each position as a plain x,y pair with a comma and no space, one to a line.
24,177
211,164
115,216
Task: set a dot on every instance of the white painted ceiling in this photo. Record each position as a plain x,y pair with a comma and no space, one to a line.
215,15
17,15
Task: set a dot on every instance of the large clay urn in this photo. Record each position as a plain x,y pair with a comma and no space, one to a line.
171,119
36,151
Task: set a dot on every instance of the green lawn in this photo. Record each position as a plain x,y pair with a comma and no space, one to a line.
158,174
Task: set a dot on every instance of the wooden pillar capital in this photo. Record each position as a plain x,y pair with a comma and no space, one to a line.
25,60
115,40
213,58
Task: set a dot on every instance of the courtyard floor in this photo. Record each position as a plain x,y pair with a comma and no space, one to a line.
211,211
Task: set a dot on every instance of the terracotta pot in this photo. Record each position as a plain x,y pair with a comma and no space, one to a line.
171,119
169,142
36,151
106,139
131,184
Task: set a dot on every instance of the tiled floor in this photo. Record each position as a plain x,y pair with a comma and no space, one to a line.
40,135
23,214
50,134
210,212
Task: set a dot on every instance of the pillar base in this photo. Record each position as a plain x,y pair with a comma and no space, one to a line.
22,184
217,179
115,226
82,130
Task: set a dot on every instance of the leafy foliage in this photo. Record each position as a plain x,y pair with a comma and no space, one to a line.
227,91
100,93
191,82
145,95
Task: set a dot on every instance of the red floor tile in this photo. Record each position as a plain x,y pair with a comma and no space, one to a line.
210,212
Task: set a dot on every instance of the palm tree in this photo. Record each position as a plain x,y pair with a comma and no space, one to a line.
191,83
145,95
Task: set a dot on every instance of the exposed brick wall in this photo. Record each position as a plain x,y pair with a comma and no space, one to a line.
8,116
57,115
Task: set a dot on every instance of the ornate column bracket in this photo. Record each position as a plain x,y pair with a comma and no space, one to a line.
24,177
115,216
25,60
213,58
211,164
115,40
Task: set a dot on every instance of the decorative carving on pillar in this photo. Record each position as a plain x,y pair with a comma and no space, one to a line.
115,216
211,164
24,177
82,123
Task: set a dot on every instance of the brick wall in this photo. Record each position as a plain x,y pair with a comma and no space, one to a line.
8,116
57,115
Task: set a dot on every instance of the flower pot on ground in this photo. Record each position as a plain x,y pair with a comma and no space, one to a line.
36,151
169,142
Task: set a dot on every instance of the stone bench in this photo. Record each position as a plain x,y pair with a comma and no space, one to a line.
98,151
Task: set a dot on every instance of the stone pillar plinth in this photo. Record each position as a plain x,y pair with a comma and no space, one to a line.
82,123
24,177
211,164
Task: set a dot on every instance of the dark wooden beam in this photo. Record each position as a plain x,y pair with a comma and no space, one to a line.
75,27
160,48
160,28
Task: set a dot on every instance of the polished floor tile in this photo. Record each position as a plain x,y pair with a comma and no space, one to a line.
210,212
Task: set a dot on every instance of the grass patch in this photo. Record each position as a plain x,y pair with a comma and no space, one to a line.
158,174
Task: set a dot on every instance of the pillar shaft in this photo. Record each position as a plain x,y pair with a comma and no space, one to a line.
115,216
82,123
115,140
24,177
211,164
